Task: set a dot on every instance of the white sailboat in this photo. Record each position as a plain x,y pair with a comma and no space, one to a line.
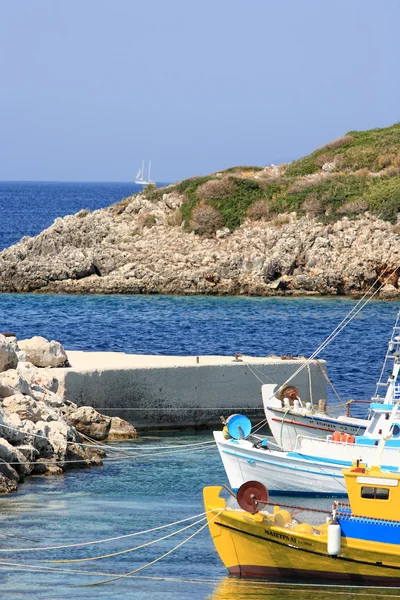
140,175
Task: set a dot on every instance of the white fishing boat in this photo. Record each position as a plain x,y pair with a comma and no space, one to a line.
288,416
311,465
314,466
140,175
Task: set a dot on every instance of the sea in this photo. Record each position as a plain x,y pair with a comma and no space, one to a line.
100,533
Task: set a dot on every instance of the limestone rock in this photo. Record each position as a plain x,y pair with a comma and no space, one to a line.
10,427
388,291
38,376
8,356
29,452
7,486
83,457
8,471
88,421
11,382
112,251
12,340
13,456
121,430
24,406
42,353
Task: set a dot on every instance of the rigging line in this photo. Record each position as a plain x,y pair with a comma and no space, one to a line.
170,409
259,370
155,560
337,330
37,435
255,374
343,325
105,540
111,458
59,570
165,537
325,374
350,315
176,446
353,589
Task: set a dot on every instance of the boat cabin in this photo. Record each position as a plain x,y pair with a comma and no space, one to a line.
384,422
372,493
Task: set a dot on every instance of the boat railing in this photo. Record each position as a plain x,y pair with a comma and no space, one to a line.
350,402
297,447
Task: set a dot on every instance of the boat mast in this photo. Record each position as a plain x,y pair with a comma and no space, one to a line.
393,352
149,170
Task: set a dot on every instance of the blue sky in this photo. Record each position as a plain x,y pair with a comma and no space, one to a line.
90,87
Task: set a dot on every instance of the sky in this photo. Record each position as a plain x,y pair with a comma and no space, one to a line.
89,88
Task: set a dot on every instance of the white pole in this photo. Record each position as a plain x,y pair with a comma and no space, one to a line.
149,169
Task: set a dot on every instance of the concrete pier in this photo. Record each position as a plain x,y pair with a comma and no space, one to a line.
177,392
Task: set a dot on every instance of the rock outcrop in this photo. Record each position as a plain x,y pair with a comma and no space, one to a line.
40,432
136,247
8,356
42,353
88,421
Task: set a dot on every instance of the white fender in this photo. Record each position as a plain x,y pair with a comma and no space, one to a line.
334,539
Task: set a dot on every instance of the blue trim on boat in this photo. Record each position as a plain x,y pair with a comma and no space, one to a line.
379,407
279,464
361,439
344,463
372,530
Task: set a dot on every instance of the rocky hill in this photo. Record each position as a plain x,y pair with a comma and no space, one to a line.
325,224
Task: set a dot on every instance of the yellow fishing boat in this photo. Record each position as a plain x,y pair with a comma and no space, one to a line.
359,543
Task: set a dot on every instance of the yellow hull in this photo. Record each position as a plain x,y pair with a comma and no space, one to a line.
253,546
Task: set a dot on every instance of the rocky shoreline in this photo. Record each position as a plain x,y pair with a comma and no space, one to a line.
140,246
40,432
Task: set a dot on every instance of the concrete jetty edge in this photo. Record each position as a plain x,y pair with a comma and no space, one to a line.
180,392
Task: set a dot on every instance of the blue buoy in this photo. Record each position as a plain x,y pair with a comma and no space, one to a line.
238,426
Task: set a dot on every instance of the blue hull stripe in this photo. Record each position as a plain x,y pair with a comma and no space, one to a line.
280,464
344,463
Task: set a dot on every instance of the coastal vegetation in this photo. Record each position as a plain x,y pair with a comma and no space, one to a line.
356,173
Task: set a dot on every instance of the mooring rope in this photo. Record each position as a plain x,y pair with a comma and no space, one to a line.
92,558
105,540
156,560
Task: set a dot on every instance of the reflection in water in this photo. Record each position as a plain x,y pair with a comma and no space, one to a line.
231,588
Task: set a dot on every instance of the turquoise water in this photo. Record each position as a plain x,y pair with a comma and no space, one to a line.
122,497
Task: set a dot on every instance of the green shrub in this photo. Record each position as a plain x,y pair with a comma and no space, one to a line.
353,207
260,210
339,143
213,189
384,198
206,219
232,207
